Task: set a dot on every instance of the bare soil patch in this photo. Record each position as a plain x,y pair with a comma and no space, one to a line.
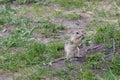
9,76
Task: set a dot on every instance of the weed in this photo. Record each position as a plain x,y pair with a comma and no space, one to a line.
58,14
44,2
3,1
68,4
62,74
41,73
95,60
36,53
106,33
12,62
6,14
115,65
48,29
1,27
110,76
23,33
87,40
55,48
22,21
72,16
70,66
12,41
24,1
86,74
17,38
36,9
61,27
50,26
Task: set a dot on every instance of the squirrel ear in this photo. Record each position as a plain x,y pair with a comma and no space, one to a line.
71,31
83,32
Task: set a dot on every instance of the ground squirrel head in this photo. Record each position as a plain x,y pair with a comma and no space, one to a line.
77,36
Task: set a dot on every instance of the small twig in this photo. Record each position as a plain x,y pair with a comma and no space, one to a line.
115,21
32,30
114,48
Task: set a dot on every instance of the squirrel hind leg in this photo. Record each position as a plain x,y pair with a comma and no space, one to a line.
56,60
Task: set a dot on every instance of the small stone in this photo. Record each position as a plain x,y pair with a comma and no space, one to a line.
4,30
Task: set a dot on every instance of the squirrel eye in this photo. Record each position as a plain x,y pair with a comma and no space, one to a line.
77,32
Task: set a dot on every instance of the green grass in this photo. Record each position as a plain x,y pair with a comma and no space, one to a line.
48,29
71,3
95,61
72,16
58,14
110,76
1,27
115,65
106,33
6,14
37,53
12,41
69,16
41,73
86,75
